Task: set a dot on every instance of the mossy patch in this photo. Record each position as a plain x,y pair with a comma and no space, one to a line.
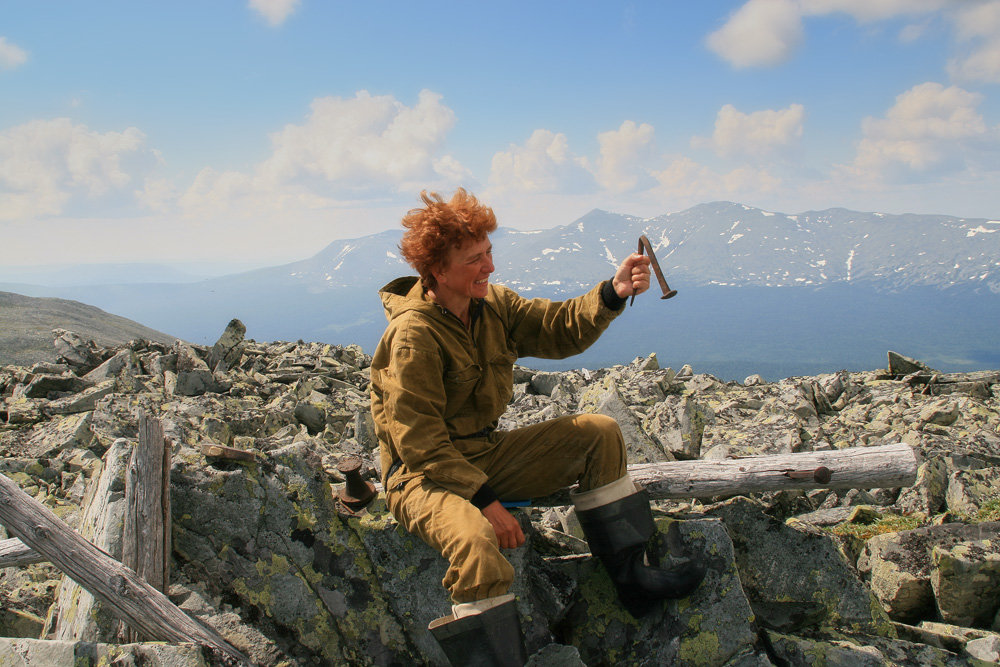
889,523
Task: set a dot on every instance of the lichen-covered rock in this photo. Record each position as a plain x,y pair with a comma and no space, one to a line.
793,650
226,351
556,655
714,626
986,649
606,399
37,653
85,401
927,495
942,412
125,361
271,535
970,489
59,435
20,623
966,582
795,576
900,565
859,650
76,352
677,424
900,365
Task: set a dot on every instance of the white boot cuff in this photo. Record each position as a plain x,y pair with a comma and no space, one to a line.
479,606
602,495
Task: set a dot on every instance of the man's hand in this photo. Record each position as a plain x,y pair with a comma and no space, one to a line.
632,276
508,530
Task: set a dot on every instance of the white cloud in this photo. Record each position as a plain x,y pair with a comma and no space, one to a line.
978,28
764,33
275,12
912,32
978,20
930,128
157,194
874,10
625,153
543,164
246,196
364,140
11,55
760,33
45,163
757,134
982,65
685,180
365,146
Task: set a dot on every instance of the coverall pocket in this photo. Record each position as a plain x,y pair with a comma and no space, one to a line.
459,385
501,370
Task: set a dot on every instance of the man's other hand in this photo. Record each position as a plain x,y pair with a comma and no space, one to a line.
507,528
632,276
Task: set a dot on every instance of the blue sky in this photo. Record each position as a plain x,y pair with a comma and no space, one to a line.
263,130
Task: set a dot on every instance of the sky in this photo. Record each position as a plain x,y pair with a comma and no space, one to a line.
261,131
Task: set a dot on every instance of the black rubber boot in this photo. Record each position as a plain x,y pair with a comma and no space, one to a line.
490,639
618,534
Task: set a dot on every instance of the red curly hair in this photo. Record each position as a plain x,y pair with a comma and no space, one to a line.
440,225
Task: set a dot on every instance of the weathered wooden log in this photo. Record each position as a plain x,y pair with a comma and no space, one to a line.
15,553
146,529
885,466
125,593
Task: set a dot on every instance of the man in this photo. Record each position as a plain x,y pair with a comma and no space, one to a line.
442,376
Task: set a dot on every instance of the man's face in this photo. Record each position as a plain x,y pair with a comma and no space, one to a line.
467,270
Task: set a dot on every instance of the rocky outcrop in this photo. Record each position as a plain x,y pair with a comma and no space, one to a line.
265,553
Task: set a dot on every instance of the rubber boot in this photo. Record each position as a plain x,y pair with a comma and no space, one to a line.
618,533
491,638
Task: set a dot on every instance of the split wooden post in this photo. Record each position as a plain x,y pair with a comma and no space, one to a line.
146,530
126,594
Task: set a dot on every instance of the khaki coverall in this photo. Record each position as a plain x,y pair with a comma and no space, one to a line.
438,391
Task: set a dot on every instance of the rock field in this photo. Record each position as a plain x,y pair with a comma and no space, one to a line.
264,553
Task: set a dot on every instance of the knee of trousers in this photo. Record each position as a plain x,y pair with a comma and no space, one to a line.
477,569
607,455
604,431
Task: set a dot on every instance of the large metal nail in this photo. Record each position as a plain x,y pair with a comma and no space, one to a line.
646,247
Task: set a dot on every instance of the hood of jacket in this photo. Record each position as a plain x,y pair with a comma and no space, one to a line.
403,295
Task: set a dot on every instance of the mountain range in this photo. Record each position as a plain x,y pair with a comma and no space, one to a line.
759,291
